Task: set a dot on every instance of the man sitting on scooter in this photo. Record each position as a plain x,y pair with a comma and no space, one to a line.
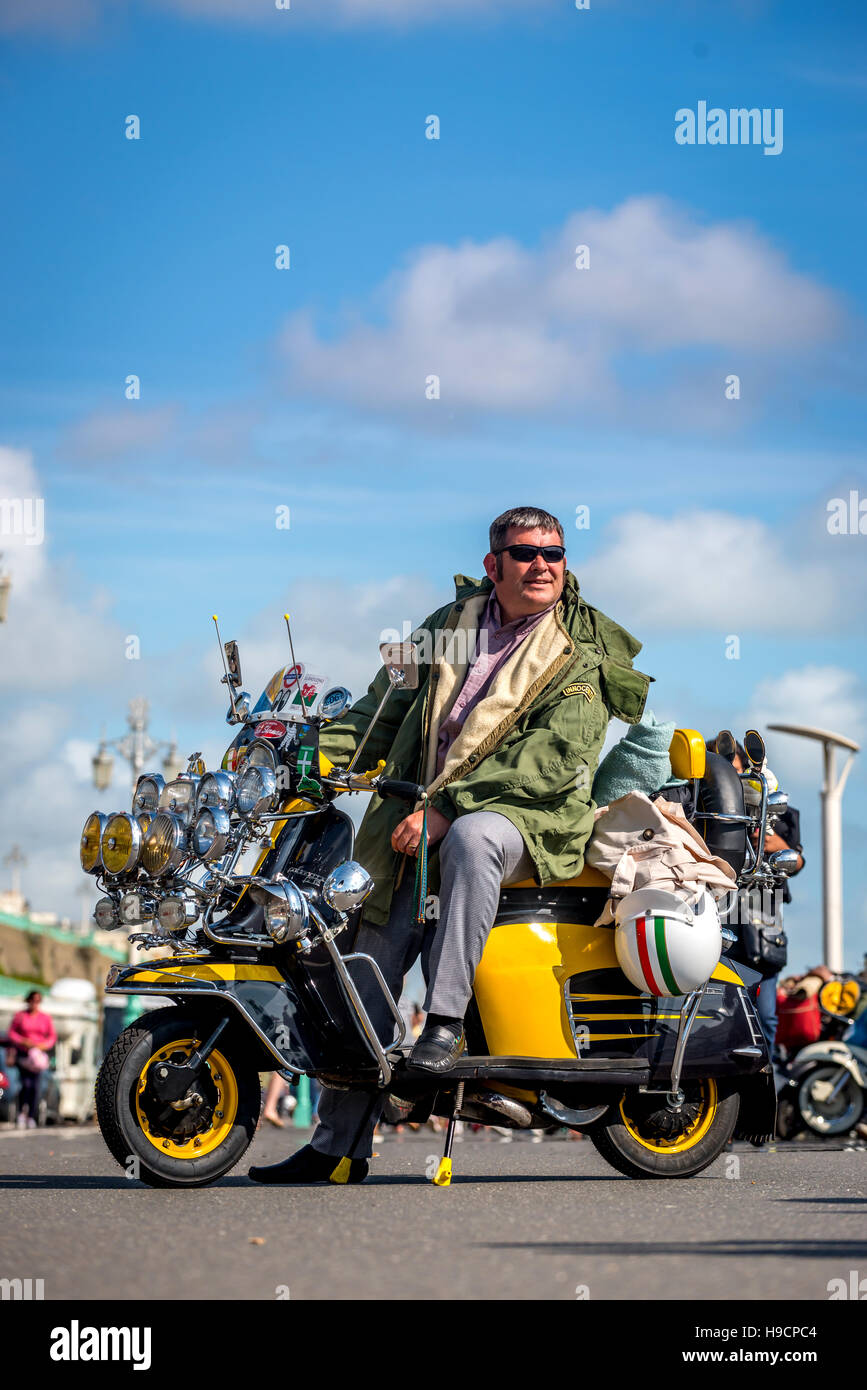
518,677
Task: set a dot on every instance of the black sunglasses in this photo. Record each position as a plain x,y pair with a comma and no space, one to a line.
551,554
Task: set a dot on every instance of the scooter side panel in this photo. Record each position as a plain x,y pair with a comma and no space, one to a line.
520,990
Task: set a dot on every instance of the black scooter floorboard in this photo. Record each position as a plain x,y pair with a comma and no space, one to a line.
526,1068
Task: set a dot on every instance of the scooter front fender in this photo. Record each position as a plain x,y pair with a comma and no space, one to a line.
262,997
835,1054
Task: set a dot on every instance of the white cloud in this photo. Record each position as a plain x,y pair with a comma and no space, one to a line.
706,570
53,648
49,640
108,435
336,630
825,697
52,18
346,11
507,328
59,18
47,795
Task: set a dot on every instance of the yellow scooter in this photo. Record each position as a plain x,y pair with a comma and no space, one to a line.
248,879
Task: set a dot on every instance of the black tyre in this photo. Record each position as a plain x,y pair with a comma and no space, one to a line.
161,1146
824,1112
789,1119
633,1138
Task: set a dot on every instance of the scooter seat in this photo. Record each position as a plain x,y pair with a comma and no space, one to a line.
588,878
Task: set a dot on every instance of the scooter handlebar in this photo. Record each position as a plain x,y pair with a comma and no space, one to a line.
401,791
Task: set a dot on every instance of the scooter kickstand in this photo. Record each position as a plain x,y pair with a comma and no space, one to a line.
443,1175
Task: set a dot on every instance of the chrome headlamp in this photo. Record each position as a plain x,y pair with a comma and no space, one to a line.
164,846
257,791
210,836
216,789
176,912
121,843
90,849
347,886
179,796
260,753
287,912
105,914
134,909
148,790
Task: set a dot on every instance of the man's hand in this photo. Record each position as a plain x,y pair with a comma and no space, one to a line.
773,842
407,835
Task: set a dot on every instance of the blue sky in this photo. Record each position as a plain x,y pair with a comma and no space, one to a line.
305,388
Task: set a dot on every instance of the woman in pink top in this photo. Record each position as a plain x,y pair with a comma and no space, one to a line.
32,1034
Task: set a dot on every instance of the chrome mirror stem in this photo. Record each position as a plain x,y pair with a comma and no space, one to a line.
369,729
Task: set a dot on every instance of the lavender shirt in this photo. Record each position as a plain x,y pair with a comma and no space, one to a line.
495,642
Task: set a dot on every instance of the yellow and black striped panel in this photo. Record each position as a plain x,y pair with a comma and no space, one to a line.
608,1017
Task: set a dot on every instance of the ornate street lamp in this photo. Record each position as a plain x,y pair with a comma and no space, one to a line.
136,747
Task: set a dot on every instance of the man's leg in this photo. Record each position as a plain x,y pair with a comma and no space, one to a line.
480,852
766,1008
346,1119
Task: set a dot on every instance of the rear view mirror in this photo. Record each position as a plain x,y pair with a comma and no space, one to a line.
725,744
233,663
401,662
755,747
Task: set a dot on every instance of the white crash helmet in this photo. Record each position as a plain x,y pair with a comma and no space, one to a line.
753,787
665,945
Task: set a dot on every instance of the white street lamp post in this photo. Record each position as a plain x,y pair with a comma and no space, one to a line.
832,835
15,861
5,586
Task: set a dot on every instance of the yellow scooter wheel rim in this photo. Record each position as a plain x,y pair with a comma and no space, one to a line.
691,1136
225,1110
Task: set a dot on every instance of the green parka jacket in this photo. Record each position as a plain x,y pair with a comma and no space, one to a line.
537,768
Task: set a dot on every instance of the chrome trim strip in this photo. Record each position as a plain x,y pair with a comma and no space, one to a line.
208,986
756,1033
688,1015
400,1036
355,1000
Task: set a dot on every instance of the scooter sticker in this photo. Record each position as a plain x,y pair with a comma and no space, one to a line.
270,728
307,760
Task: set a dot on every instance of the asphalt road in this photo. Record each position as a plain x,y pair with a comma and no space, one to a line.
522,1220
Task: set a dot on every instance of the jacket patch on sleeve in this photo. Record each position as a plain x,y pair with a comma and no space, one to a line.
580,688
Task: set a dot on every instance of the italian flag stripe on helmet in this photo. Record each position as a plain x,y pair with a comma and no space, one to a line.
662,952
653,954
642,941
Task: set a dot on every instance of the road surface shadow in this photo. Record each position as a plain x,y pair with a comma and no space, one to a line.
740,1249
86,1182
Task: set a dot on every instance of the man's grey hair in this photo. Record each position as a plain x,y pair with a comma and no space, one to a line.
526,519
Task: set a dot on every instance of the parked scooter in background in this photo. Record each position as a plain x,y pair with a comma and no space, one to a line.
825,1088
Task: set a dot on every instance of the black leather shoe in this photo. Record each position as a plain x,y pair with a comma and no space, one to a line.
438,1048
309,1165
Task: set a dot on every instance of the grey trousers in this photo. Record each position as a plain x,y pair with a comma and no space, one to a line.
479,853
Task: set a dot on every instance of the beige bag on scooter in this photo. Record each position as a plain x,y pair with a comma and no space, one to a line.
639,843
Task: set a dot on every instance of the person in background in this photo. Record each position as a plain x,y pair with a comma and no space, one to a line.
276,1091
277,1088
33,1036
786,835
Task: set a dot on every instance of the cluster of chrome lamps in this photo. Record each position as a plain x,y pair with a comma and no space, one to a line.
187,822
